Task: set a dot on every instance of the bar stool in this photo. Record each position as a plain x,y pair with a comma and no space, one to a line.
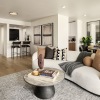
17,45
26,45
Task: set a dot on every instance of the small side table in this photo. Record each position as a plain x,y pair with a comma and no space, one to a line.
44,89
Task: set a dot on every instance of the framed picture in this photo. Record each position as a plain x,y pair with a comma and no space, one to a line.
37,35
43,34
47,34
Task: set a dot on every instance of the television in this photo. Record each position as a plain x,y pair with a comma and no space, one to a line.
13,34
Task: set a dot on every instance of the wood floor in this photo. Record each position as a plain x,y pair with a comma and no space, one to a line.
9,65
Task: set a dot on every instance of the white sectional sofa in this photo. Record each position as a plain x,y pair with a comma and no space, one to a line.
86,77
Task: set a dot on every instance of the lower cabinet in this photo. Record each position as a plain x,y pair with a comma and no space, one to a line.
72,46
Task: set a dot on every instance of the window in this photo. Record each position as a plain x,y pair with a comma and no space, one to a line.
93,29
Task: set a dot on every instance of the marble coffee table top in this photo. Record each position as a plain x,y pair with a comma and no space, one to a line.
37,82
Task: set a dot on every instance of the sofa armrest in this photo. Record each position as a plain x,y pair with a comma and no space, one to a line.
72,55
34,57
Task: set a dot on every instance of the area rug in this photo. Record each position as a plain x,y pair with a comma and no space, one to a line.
13,87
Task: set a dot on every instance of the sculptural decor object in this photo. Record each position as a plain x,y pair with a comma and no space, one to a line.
40,61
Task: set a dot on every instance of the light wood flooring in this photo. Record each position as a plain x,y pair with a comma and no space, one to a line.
9,65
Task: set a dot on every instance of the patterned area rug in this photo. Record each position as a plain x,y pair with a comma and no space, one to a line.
13,87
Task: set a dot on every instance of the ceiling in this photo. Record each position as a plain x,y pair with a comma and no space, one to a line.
29,10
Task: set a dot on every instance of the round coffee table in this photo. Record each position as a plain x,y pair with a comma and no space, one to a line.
44,89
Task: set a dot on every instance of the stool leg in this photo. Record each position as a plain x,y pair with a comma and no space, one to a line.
29,51
17,52
26,51
13,52
23,51
20,52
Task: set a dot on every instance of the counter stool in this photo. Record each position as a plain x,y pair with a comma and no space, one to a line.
17,45
26,45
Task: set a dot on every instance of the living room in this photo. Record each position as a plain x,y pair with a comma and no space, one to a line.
55,29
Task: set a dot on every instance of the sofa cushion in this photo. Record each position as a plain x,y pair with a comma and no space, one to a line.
70,66
82,55
60,54
41,51
88,78
93,56
87,61
48,63
72,55
96,61
49,53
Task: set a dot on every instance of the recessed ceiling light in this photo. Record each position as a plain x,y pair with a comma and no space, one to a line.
84,15
13,13
63,7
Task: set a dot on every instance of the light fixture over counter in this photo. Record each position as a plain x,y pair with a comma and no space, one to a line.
63,6
13,13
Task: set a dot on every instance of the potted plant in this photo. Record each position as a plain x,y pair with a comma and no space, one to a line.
86,41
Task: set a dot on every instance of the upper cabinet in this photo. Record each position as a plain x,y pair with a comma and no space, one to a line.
72,28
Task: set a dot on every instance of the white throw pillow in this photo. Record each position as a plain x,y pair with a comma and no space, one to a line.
60,54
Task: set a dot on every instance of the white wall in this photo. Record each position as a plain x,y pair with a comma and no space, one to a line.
62,31
51,19
2,40
79,34
92,32
14,22
29,31
5,38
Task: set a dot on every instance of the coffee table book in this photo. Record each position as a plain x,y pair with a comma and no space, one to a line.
45,75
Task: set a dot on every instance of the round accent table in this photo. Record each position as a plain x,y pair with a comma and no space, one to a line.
45,89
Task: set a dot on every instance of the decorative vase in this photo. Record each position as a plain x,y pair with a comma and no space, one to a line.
28,38
85,47
40,61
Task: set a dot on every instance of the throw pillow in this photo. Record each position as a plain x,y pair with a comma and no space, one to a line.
41,51
60,54
55,53
82,55
93,56
49,53
96,61
87,61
